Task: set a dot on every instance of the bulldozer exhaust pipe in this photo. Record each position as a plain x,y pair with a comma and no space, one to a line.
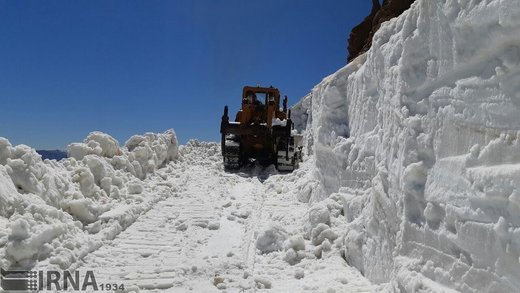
223,124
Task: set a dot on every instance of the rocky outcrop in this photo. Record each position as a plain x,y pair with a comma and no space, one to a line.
360,38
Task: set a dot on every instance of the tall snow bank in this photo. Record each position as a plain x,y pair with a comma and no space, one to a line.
420,138
48,209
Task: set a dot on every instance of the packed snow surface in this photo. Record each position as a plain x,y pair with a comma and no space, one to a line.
155,216
233,232
419,137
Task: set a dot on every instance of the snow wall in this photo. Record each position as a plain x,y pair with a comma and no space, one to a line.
420,137
53,213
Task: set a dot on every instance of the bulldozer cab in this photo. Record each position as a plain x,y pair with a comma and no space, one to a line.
252,98
260,96
260,105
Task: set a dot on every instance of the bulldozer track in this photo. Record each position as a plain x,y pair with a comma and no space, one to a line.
203,239
150,255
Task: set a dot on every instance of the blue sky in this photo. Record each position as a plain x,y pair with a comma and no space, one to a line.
126,67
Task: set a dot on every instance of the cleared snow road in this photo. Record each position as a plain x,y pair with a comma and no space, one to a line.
203,239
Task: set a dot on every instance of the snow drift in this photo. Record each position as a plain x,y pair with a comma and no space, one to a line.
55,212
420,138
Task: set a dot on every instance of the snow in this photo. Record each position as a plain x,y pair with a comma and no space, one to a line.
79,150
419,138
296,243
55,212
271,239
279,122
96,143
7,193
238,231
151,151
318,214
409,181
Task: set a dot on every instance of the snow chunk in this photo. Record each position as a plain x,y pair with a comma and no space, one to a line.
109,145
28,240
299,274
19,230
7,193
151,151
26,169
271,239
296,242
291,257
263,283
79,150
5,150
86,180
135,187
322,232
81,209
96,143
319,213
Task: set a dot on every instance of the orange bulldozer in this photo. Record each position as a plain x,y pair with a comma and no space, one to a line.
261,131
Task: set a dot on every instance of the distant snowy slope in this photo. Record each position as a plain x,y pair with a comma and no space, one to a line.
420,137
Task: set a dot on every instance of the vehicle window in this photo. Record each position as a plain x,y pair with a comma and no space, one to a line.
260,99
